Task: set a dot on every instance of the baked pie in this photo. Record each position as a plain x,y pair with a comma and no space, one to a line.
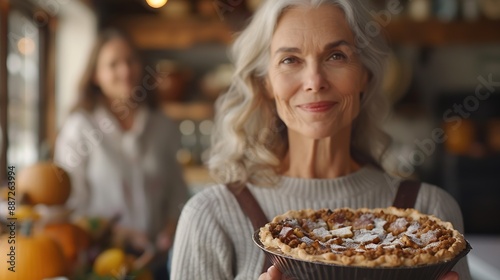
382,237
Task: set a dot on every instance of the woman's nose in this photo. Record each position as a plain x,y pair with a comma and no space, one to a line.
315,79
125,70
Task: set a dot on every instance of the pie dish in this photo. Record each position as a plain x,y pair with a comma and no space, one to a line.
389,237
388,243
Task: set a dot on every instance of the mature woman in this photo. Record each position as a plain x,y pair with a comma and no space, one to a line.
120,149
300,127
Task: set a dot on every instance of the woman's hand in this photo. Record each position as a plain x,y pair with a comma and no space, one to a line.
452,275
163,241
272,274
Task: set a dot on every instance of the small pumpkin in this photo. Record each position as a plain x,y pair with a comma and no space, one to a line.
70,237
116,263
113,262
44,183
36,257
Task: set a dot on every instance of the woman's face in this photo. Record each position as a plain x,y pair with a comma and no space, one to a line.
118,70
315,75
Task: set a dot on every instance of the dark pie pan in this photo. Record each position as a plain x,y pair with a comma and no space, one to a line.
307,270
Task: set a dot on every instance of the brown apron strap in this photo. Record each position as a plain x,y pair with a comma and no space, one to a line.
250,206
407,194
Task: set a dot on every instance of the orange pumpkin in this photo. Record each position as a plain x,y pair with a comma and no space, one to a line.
70,237
44,183
113,262
36,258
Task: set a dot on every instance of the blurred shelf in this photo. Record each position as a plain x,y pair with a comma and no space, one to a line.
158,32
189,111
197,175
438,33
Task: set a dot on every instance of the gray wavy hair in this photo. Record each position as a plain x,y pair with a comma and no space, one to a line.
249,140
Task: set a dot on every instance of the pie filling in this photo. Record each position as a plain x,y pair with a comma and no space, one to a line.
377,237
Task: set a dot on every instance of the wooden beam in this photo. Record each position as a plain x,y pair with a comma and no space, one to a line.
157,32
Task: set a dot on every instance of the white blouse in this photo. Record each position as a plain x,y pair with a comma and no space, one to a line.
131,173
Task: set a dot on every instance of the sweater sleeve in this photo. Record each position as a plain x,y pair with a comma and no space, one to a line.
436,201
202,248
71,153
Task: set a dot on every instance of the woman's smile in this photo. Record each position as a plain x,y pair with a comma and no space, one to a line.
317,107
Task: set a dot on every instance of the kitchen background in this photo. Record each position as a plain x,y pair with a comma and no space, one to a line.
443,81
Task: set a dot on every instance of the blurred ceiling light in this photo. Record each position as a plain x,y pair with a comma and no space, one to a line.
156,3
26,46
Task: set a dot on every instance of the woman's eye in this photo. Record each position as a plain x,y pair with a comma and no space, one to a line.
338,56
288,60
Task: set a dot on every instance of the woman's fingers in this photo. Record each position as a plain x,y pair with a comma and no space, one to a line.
272,274
450,276
163,242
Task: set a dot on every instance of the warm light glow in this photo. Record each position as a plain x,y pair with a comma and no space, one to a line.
156,3
26,46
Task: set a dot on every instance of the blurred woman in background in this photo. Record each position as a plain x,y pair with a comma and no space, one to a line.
120,149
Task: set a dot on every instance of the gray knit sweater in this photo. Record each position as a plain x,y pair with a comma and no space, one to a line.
214,237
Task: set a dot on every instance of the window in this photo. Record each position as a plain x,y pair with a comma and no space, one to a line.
23,76
23,84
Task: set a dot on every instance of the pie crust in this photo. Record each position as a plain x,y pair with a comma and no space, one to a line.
381,237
